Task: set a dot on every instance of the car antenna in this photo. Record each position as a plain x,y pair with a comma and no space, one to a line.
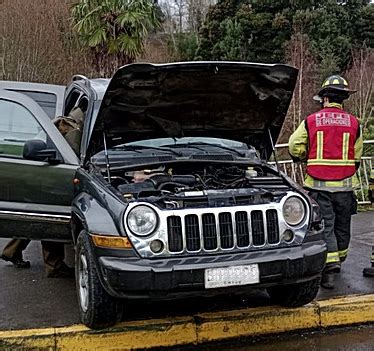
273,149
106,158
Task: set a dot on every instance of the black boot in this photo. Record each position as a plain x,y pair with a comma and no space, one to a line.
368,272
332,267
327,280
18,262
64,271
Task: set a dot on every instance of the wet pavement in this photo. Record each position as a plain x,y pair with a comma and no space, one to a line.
30,300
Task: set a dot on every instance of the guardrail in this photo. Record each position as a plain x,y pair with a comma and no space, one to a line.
297,171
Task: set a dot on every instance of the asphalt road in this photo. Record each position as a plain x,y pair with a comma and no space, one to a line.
30,300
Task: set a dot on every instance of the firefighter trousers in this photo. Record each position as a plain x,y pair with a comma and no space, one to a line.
53,252
337,209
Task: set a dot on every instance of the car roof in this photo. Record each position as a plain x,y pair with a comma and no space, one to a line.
99,85
42,87
57,90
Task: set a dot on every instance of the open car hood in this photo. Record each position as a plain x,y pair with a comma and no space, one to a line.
231,100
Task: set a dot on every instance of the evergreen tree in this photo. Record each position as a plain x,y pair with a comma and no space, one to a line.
260,30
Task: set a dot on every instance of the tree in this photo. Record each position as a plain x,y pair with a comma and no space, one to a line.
333,28
361,78
183,20
114,31
298,54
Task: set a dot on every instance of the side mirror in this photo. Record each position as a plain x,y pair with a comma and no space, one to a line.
36,150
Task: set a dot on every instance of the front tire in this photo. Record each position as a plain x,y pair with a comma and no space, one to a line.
96,307
295,295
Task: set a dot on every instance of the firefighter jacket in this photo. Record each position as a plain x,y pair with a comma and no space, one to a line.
330,141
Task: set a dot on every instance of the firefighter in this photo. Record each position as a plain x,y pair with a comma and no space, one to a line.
330,142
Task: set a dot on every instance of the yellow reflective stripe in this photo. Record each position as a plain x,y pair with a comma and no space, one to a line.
332,257
334,104
372,258
343,253
335,81
327,162
319,145
343,185
345,146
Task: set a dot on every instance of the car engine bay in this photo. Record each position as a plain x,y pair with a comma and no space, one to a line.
184,185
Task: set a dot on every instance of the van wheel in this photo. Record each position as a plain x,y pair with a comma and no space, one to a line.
96,307
295,295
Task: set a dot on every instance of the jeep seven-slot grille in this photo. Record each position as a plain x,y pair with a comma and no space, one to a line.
225,230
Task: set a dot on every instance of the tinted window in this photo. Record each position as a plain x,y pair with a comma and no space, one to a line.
17,125
47,101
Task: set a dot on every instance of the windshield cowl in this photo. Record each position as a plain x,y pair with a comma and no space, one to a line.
135,155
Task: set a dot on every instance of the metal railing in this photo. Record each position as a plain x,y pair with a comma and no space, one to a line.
297,171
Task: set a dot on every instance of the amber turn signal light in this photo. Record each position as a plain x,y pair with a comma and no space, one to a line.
114,242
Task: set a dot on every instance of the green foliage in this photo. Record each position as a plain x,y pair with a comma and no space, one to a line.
260,30
364,26
251,27
114,30
245,30
185,45
230,47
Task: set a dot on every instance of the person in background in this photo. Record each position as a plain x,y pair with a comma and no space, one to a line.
53,256
331,143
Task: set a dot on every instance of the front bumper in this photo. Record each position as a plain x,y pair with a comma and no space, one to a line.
184,276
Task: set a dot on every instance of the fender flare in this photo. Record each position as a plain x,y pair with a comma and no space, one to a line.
90,215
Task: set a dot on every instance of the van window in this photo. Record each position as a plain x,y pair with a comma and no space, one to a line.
17,125
47,101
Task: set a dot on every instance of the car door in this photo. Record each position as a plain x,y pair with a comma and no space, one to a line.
35,196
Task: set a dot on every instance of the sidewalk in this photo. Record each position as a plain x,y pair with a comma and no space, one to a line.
22,308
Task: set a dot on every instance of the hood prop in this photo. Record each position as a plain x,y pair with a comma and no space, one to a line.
274,153
106,158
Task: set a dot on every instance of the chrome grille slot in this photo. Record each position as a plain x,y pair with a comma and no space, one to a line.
175,236
272,226
209,231
242,229
226,230
191,224
258,231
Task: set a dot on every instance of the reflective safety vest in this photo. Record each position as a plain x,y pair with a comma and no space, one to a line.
332,134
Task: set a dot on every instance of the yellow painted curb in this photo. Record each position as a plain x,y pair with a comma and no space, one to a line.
204,327
347,310
129,335
29,338
255,321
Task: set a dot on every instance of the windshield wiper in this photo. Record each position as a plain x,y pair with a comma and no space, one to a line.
208,144
143,147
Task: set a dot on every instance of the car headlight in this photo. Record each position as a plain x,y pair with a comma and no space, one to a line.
293,210
142,220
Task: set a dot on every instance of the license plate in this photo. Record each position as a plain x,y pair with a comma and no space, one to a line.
231,276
